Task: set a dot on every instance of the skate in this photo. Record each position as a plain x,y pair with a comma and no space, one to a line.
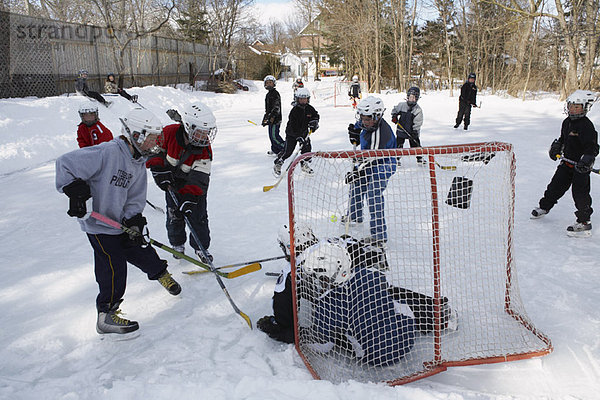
466,127
421,161
580,229
271,153
134,98
538,213
204,259
449,318
107,104
456,126
112,322
180,249
307,169
277,170
167,281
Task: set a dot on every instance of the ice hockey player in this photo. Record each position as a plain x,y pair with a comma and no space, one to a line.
371,177
272,117
114,176
81,87
334,276
111,86
354,92
578,143
91,131
184,165
297,84
467,99
408,117
303,119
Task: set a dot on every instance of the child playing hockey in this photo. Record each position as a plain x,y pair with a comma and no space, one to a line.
371,177
408,117
91,131
272,117
184,165
467,99
114,176
302,119
334,276
110,86
576,148
81,87
354,92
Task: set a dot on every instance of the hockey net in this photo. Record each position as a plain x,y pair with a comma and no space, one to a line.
449,227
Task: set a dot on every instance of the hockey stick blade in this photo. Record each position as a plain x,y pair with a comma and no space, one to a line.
446,167
229,275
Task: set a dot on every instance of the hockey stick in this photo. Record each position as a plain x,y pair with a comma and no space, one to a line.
234,274
252,122
594,170
246,263
210,264
156,243
444,167
155,207
283,174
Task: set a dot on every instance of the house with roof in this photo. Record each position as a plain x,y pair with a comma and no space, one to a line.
312,49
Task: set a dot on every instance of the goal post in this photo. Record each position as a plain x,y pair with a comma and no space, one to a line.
409,268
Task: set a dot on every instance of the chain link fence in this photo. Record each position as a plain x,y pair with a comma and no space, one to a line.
41,57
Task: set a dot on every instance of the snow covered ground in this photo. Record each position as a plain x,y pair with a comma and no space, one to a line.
193,345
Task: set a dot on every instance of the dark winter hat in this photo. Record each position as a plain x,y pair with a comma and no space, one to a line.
472,75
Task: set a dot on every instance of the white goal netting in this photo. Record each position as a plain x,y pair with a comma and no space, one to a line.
404,262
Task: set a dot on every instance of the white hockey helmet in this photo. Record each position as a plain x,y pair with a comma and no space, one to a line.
269,78
355,78
370,107
329,261
200,124
302,93
143,129
299,79
88,109
585,98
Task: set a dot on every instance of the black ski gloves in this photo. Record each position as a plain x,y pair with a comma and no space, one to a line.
78,192
555,150
137,224
354,134
174,115
585,164
163,178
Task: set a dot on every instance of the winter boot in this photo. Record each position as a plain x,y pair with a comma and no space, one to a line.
277,168
538,213
180,249
169,283
204,259
112,322
307,169
580,229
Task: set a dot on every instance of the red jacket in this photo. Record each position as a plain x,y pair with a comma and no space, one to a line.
192,175
92,135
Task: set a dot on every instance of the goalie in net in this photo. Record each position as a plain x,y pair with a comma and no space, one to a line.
348,274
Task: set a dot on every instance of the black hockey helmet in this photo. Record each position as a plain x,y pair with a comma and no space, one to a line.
472,75
415,92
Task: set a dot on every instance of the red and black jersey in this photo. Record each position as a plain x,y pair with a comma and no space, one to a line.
190,164
92,135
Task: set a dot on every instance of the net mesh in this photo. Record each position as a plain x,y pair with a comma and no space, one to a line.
409,269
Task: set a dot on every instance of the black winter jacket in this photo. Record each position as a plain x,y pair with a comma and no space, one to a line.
273,107
468,93
297,125
578,137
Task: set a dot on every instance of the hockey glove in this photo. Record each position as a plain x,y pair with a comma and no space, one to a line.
137,224
585,164
354,134
301,141
174,115
187,204
555,150
163,179
395,118
313,125
78,192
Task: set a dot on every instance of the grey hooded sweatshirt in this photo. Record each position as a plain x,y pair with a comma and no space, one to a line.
117,181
